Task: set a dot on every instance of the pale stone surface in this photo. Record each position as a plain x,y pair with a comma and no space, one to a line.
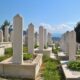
64,42
49,39
69,74
31,38
18,39
45,37
11,36
6,44
2,50
78,46
41,38
36,38
25,70
26,38
1,36
72,46
6,35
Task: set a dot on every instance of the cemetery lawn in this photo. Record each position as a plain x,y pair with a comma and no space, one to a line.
74,65
50,69
9,53
56,50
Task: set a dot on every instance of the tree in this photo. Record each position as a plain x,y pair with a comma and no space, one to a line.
6,23
77,30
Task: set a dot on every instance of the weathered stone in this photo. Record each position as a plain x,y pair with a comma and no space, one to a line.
31,38
49,39
36,39
72,45
45,37
17,40
41,38
6,35
1,36
11,36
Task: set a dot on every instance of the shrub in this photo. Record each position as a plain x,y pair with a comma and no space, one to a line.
27,56
36,46
78,52
45,47
74,65
8,51
25,49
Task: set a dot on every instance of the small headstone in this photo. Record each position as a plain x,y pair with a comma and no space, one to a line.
72,46
6,35
45,37
31,38
1,36
41,38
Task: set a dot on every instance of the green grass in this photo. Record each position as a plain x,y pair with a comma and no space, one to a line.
36,46
78,52
8,53
27,56
51,71
74,65
56,50
25,49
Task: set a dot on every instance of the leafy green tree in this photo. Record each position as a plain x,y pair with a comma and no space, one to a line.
6,23
77,30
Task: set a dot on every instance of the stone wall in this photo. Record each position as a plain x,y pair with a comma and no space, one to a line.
6,44
25,70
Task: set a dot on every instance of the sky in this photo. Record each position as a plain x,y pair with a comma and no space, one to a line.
57,16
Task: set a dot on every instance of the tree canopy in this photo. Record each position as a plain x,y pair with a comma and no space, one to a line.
77,30
5,23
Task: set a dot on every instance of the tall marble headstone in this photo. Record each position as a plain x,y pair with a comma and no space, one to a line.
17,40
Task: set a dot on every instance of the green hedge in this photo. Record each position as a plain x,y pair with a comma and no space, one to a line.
74,65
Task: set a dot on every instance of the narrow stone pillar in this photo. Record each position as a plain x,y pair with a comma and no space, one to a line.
26,38
36,39
41,38
17,40
72,45
6,34
1,36
31,38
45,37
11,36
49,39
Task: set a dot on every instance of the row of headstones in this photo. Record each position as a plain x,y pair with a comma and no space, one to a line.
43,39
68,44
18,39
47,37
7,36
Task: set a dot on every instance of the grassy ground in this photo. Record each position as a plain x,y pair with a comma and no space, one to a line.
9,53
50,69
